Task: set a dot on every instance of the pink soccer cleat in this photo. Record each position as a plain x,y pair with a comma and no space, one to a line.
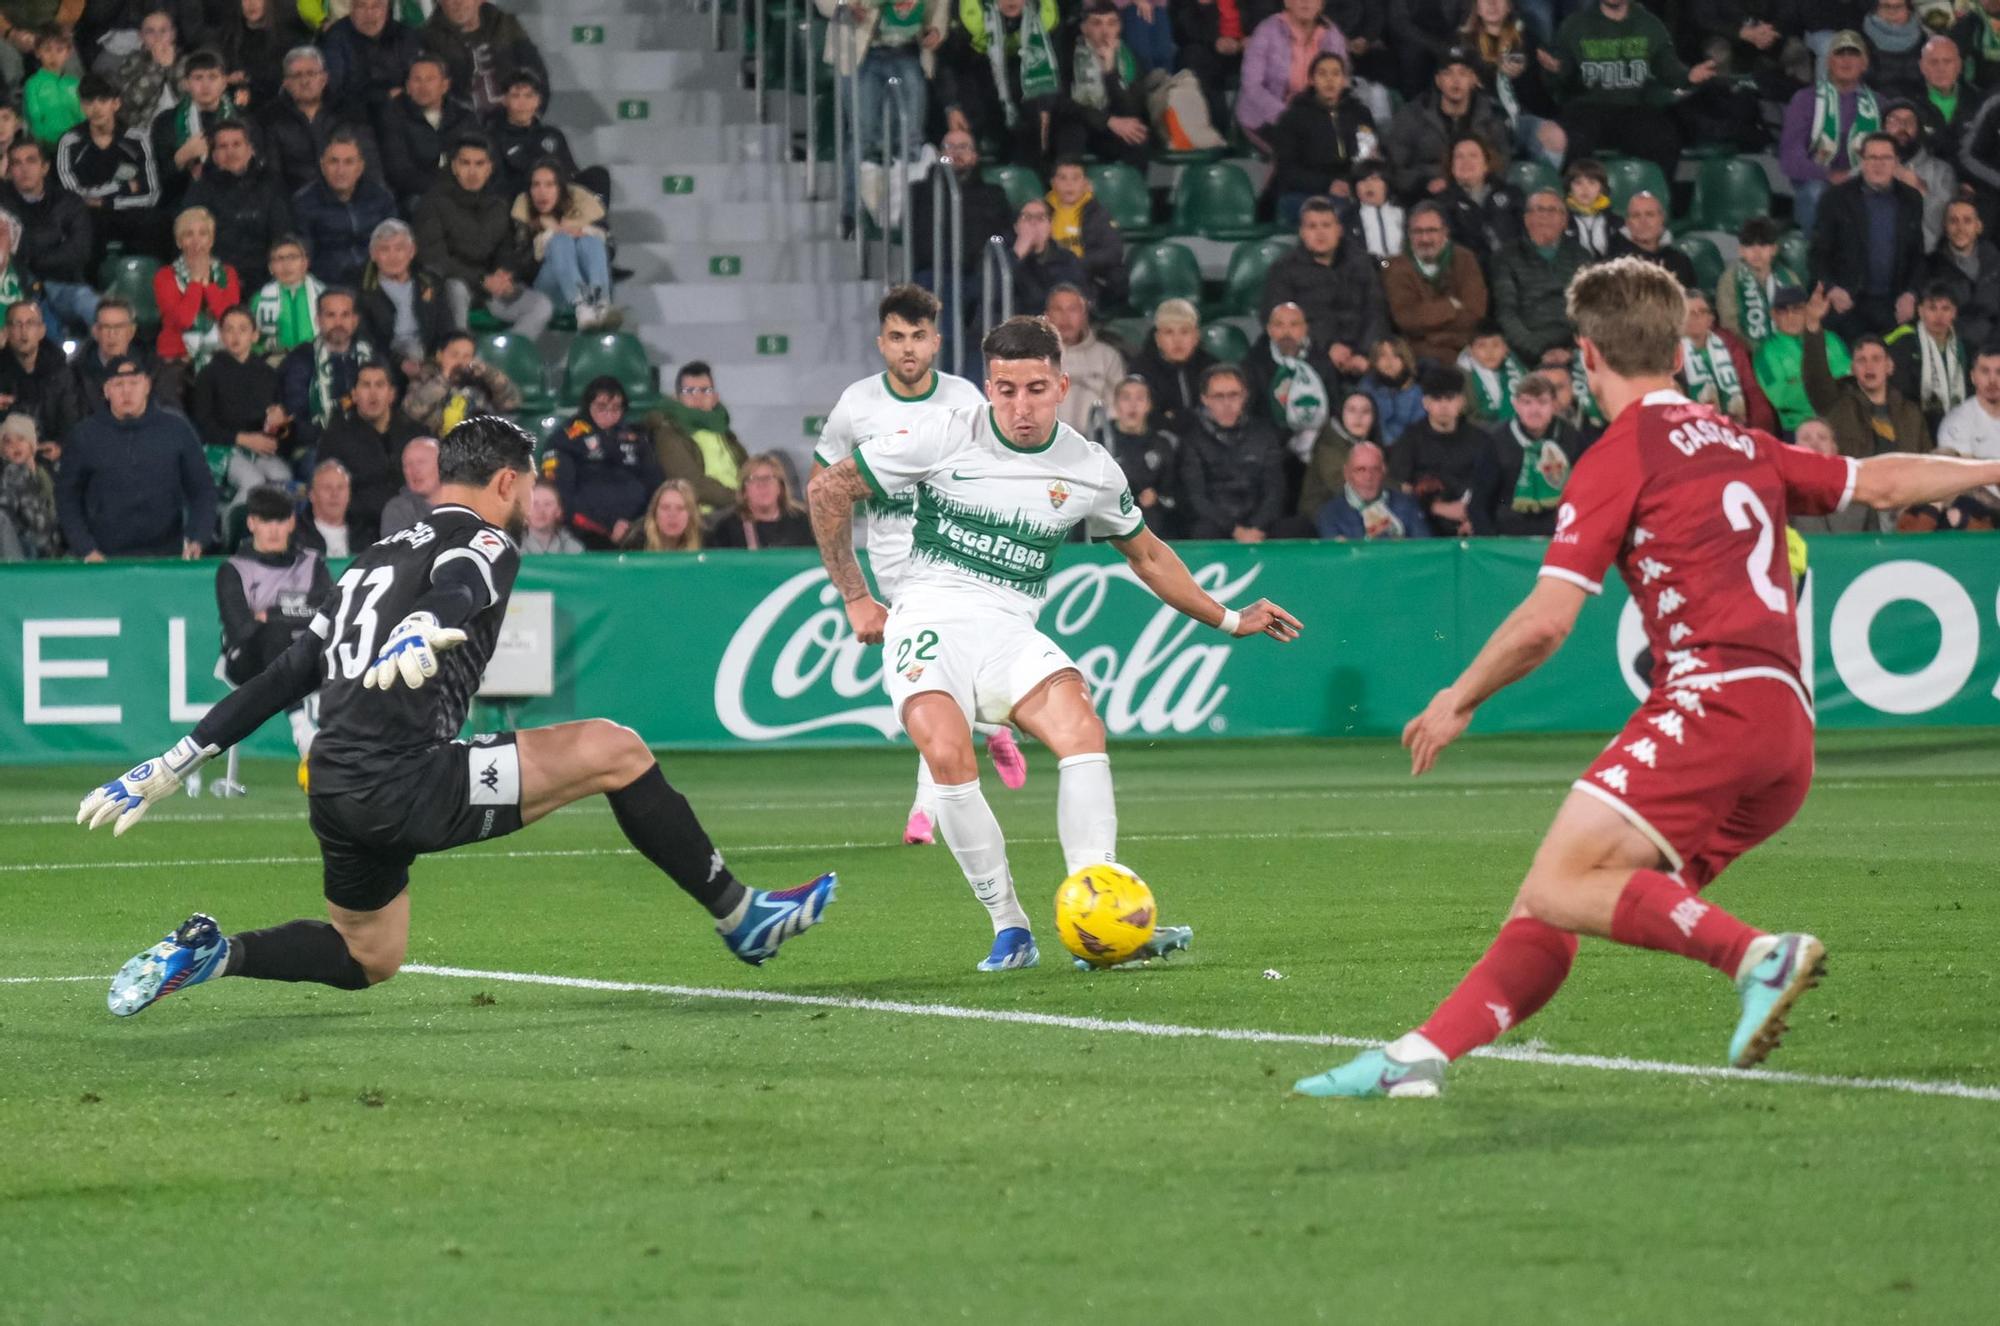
917,833
1008,762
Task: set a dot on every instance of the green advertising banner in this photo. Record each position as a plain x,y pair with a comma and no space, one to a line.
722,649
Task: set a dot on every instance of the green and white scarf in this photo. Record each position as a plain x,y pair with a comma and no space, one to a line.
1825,146
1038,58
1942,384
1086,87
1710,373
1298,401
322,401
1492,388
1753,300
187,125
1377,520
287,318
204,338
1587,411
1435,269
1544,471
11,292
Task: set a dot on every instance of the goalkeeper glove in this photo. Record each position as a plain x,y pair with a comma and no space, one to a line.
412,651
129,796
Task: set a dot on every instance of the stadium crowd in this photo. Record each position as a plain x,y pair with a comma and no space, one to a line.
250,244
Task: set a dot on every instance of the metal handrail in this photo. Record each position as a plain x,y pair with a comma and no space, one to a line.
787,33
846,126
995,254
715,23
892,157
757,61
805,29
948,260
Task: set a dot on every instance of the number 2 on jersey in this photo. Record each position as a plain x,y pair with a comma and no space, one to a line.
926,643
1740,504
347,661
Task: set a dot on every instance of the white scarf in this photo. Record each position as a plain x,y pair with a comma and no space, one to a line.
1942,384
1298,401
1593,231
1710,373
1382,230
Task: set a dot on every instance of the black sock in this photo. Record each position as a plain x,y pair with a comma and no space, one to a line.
295,951
661,824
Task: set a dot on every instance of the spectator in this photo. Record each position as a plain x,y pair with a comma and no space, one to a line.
35,380
419,129
179,134
1286,389
982,204
1973,426
1978,42
1507,57
368,441
466,234
1825,125
299,125
1391,385
234,405
1716,368
1971,264
49,102
134,482
1868,245
55,240
1436,296
404,307
1347,428
1174,363
1748,286
1103,110
546,533
1484,211
338,212
29,529
456,385
766,514
1895,38
1376,216
1322,135
1917,167
193,292
1531,280
482,46
1814,435
1080,223
1867,414
1587,195
1492,373
1041,264
1620,103
1437,458
420,484
267,595
148,78
1946,104
1276,60
316,380
1094,368
670,524
253,40
1231,464
521,138
251,209
111,169
1420,137
17,283
1645,236
286,310
368,56
569,241
1002,86
1366,508
1780,360
1520,480
1335,285
1932,366
1147,455
328,530
111,335
693,440
1570,407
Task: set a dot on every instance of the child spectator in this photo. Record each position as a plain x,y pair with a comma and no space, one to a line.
1378,220
521,137
234,405
1493,373
1391,384
1587,195
1146,454
111,168
1323,134
28,526
49,101
286,310
1081,224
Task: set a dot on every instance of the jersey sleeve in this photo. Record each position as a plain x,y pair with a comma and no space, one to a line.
1113,514
894,463
836,435
490,554
1815,484
1598,503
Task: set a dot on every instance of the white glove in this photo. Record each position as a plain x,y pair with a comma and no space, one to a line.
412,651
128,797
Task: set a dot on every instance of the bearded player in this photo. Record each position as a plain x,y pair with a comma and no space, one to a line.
389,782
1691,507
887,402
997,489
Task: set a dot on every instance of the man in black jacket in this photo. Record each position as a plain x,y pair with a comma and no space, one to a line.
1337,286
55,236
1868,245
112,170
466,234
1437,460
134,482
1971,264
1645,236
368,55
418,129
483,46
405,309
112,336
298,125
35,379
252,210
368,440
316,380
338,212
1232,475
1105,117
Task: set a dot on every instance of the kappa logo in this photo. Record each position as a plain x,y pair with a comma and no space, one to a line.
489,777
1058,494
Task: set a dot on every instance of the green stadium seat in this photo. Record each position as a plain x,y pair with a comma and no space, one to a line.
1729,191
1226,342
1630,175
1128,334
1019,183
1122,190
1528,176
1795,252
1243,286
1217,201
130,276
619,354
1706,257
478,321
521,360
1161,271
542,425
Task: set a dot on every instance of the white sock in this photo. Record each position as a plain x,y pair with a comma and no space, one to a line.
1412,1047
926,789
1086,814
974,838
1760,949
303,730
987,729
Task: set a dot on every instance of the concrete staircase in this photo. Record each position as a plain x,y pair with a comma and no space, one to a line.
732,263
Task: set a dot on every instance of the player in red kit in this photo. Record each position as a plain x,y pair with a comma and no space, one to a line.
1691,508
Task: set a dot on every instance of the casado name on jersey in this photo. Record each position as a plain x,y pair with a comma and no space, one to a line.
1695,434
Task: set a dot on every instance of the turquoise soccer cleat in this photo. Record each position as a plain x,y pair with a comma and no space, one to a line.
1373,1073
1013,949
193,953
769,919
1167,939
1769,990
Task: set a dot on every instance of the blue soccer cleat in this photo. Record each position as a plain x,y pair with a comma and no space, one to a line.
193,953
1374,1074
1013,948
769,919
1769,990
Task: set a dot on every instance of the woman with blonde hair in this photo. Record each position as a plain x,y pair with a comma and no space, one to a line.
671,522
766,515
194,292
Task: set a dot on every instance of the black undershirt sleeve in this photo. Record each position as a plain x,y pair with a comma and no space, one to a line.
458,592
292,676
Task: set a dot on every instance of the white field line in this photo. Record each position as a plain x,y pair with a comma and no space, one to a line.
1174,1031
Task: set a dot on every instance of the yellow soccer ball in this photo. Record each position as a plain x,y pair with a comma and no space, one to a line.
1105,914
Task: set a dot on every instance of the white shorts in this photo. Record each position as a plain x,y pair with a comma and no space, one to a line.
988,662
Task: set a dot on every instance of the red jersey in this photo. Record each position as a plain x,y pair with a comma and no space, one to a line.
1692,507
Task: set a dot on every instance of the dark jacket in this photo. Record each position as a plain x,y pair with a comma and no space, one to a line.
1230,478
1421,134
1528,294
1500,469
1336,518
55,233
1483,225
259,51
1039,273
413,152
292,143
52,392
295,381
1343,300
89,368
374,462
230,398
985,212
1841,238
163,133
505,48
1848,411
1150,461
1438,467
1978,295
465,236
378,312
518,148
1312,146
251,211
792,529
1670,259
135,487
1175,388
336,232
361,71
603,477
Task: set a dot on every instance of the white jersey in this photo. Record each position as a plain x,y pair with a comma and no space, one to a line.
990,515
868,409
1969,431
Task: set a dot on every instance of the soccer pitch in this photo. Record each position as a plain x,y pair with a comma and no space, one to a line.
868,1130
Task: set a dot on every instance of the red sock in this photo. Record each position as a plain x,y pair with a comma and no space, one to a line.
1656,911
1526,965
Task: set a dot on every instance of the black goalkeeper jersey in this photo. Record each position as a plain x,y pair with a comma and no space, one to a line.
364,733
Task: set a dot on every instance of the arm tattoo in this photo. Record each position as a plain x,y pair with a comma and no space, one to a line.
831,497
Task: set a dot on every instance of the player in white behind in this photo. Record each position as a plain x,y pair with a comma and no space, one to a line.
889,402
997,490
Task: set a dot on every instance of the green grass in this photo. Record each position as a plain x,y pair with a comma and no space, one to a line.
463,1150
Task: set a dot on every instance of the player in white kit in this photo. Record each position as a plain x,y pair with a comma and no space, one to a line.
888,402
997,490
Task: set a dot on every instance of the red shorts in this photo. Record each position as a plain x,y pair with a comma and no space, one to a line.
1709,770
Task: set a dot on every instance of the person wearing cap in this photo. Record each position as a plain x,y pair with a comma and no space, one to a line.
1616,76
1820,144
1868,244
134,481
1276,60
1779,362
1971,264
1920,168
1933,364
1419,138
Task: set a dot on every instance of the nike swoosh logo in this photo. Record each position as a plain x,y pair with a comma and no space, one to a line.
966,478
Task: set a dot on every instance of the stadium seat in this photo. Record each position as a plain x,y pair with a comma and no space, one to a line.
1706,257
1729,191
1217,201
1528,176
1123,192
521,360
619,354
1795,252
1630,175
1128,334
130,276
1226,342
1162,271
1243,286
1019,183
542,425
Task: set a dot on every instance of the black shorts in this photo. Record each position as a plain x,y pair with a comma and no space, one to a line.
456,792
